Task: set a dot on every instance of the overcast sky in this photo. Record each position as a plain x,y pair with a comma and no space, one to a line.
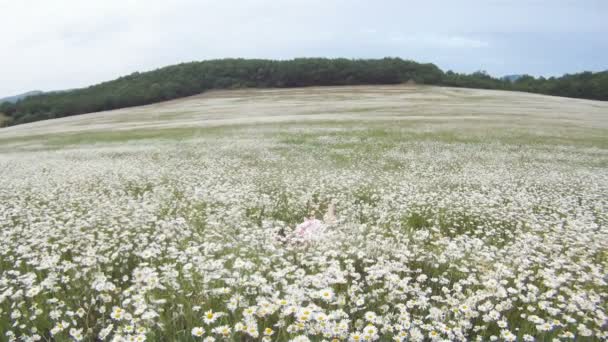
62,44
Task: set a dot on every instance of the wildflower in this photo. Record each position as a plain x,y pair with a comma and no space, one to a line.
105,332
370,333
210,317
33,291
544,327
370,316
223,330
55,314
356,337
59,327
80,312
567,334
252,331
197,331
148,315
76,334
327,294
117,313
300,338
507,335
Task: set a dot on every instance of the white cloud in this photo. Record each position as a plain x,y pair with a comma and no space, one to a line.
459,42
437,41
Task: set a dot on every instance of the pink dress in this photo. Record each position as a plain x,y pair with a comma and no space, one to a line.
310,229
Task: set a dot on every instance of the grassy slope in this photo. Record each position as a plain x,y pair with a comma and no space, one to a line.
412,112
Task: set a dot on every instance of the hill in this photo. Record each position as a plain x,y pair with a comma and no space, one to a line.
15,98
193,78
512,78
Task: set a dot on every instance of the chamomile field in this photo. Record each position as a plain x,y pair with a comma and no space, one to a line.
440,214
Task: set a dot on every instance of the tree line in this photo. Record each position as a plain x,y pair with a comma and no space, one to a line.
195,77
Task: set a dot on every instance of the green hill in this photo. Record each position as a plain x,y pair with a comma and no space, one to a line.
195,77
15,98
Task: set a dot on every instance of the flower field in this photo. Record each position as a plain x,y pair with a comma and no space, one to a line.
439,215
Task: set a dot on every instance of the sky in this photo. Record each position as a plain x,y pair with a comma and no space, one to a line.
63,44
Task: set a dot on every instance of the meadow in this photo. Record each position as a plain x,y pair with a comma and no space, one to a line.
460,215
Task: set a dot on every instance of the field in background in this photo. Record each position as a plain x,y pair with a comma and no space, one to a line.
468,113
461,214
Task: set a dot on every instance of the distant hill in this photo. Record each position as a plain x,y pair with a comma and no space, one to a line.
192,78
512,78
15,98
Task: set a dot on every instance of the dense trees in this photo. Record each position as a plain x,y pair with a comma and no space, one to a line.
586,85
479,79
195,77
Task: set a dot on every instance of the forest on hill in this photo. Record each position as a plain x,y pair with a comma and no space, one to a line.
195,77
